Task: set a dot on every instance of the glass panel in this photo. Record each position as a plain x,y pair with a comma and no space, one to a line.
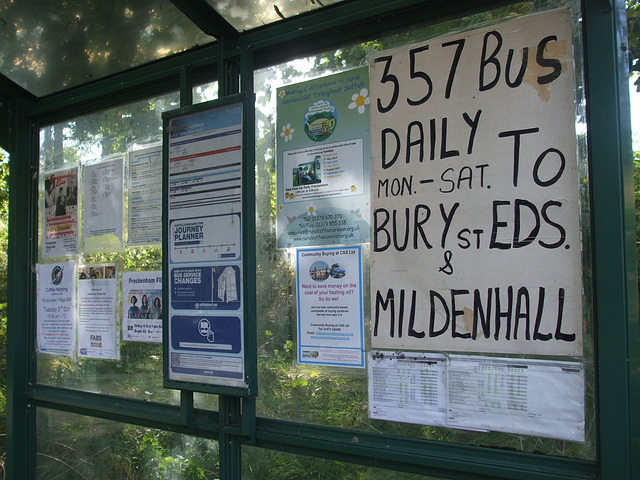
205,401
259,464
64,44
128,128
74,446
248,14
204,93
338,397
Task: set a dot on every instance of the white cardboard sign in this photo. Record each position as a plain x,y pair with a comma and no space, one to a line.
475,201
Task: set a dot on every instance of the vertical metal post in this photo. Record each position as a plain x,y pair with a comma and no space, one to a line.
230,410
186,407
23,195
222,84
616,302
230,452
250,281
186,86
186,99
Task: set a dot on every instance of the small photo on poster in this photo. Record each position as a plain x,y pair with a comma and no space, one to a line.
307,173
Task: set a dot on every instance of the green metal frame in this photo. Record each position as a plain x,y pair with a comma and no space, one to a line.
232,61
615,264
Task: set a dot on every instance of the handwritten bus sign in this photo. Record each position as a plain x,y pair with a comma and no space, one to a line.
475,202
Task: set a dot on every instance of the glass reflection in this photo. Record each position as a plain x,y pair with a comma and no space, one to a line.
65,44
248,14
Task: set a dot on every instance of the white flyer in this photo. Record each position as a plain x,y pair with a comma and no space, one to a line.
103,199
56,308
145,196
97,332
542,398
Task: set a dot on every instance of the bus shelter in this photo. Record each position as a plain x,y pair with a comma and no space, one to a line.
320,239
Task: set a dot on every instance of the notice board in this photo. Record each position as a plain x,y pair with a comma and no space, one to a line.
475,218
205,164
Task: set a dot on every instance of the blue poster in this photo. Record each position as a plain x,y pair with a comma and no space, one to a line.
204,230
206,288
206,332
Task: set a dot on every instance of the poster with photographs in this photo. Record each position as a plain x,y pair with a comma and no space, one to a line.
323,161
97,332
330,313
61,213
142,311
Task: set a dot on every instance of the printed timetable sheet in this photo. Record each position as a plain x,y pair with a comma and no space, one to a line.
405,387
530,397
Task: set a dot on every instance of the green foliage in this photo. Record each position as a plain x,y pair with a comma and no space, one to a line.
88,448
633,28
636,182
4,227
268,465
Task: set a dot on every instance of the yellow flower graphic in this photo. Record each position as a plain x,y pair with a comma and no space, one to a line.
360,100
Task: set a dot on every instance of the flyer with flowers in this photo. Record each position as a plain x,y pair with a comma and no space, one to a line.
322,178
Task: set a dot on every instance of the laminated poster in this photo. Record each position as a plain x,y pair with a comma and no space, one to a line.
61,213
529,397
56,308
103,203
322,175
330,313
97,332
145,196
142,311
206,341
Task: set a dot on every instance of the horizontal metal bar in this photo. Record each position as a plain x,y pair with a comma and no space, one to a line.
347,22
206,18
420,456
125,410
368,448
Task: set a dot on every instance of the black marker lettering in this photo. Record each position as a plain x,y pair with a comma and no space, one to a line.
491,60
548,62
